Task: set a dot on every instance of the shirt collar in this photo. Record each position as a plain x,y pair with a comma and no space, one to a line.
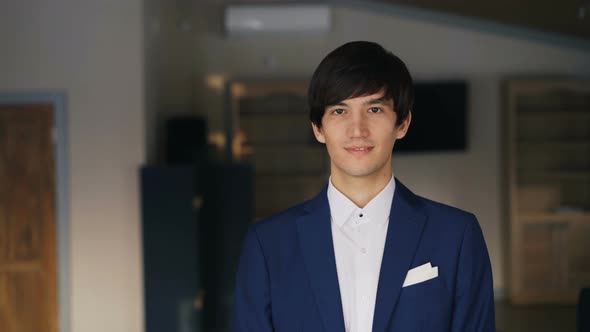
377,210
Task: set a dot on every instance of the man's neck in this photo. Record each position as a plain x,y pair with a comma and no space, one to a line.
361,190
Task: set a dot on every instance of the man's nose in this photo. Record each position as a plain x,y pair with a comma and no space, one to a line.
358,126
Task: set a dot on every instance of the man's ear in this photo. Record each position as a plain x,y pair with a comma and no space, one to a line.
319,135
402,129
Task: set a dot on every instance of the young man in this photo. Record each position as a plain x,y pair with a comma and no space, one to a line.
366,254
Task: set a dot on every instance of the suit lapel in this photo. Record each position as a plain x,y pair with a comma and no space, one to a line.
315,239
406,223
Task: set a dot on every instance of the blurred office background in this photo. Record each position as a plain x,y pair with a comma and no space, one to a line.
139,139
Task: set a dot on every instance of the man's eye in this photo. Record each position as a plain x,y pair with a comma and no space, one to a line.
338,111
375,110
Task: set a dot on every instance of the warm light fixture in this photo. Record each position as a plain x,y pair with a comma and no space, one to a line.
215,81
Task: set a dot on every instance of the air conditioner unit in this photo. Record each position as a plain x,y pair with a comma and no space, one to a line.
243,20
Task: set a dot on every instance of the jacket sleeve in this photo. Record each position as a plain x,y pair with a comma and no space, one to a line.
252,308
474,294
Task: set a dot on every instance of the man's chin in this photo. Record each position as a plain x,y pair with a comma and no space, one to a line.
361,173
357,171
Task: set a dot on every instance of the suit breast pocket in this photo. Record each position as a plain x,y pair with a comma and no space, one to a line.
435,287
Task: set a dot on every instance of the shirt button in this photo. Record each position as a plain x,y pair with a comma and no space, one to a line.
364,250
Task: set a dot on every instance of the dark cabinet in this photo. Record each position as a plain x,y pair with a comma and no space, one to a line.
170,249
194,221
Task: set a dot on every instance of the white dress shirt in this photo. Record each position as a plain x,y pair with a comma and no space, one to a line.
359,238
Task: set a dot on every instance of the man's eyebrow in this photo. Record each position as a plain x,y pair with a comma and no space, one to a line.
340,103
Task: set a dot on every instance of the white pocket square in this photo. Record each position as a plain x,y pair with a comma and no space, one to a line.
420,274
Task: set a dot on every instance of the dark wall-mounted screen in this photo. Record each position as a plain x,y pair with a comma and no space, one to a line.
439,118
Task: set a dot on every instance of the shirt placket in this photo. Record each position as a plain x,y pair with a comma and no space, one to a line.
362,273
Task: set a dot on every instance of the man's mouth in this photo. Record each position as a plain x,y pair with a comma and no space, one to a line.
359,150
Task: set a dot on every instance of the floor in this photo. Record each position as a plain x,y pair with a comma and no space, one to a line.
540,318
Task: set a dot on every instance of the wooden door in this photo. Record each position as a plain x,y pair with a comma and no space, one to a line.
28,276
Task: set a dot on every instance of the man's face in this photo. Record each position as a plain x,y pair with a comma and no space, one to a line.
359,134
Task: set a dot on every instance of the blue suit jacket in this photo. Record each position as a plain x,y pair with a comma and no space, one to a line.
287,278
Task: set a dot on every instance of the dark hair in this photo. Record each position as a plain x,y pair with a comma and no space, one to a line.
357,69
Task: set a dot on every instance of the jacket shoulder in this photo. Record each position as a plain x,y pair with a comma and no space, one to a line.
279,221
438,213
450,215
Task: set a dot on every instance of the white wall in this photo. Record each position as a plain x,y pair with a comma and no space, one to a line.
92,51
432,50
